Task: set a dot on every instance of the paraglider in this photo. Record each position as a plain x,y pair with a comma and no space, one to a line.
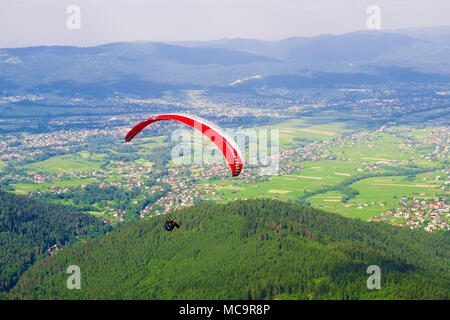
225,144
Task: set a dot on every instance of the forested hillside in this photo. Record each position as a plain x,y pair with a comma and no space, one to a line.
29,227
256,249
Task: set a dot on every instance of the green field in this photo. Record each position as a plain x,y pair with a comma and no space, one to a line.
24,188
64,164
387,190
305,128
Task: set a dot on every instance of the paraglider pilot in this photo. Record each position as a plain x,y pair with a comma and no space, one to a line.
170,224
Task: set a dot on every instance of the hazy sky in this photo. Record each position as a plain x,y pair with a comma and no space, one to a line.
44,22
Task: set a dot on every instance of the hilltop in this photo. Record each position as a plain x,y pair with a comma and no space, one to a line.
254,249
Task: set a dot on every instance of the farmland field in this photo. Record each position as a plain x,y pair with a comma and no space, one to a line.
64,164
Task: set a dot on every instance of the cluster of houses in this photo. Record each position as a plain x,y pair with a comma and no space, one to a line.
53,249
440,139
21,148
419,213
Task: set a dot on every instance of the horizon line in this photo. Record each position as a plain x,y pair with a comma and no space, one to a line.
174,42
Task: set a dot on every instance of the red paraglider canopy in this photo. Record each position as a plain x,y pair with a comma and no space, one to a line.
223,142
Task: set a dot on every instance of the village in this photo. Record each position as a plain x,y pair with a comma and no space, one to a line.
418,213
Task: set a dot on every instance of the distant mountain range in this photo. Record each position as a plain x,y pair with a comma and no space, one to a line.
150,68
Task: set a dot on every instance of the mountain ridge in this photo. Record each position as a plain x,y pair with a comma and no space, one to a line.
156,67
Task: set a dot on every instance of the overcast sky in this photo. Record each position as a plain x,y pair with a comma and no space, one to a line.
44,22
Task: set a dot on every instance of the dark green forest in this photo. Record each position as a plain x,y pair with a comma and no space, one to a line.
29,227
255,249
